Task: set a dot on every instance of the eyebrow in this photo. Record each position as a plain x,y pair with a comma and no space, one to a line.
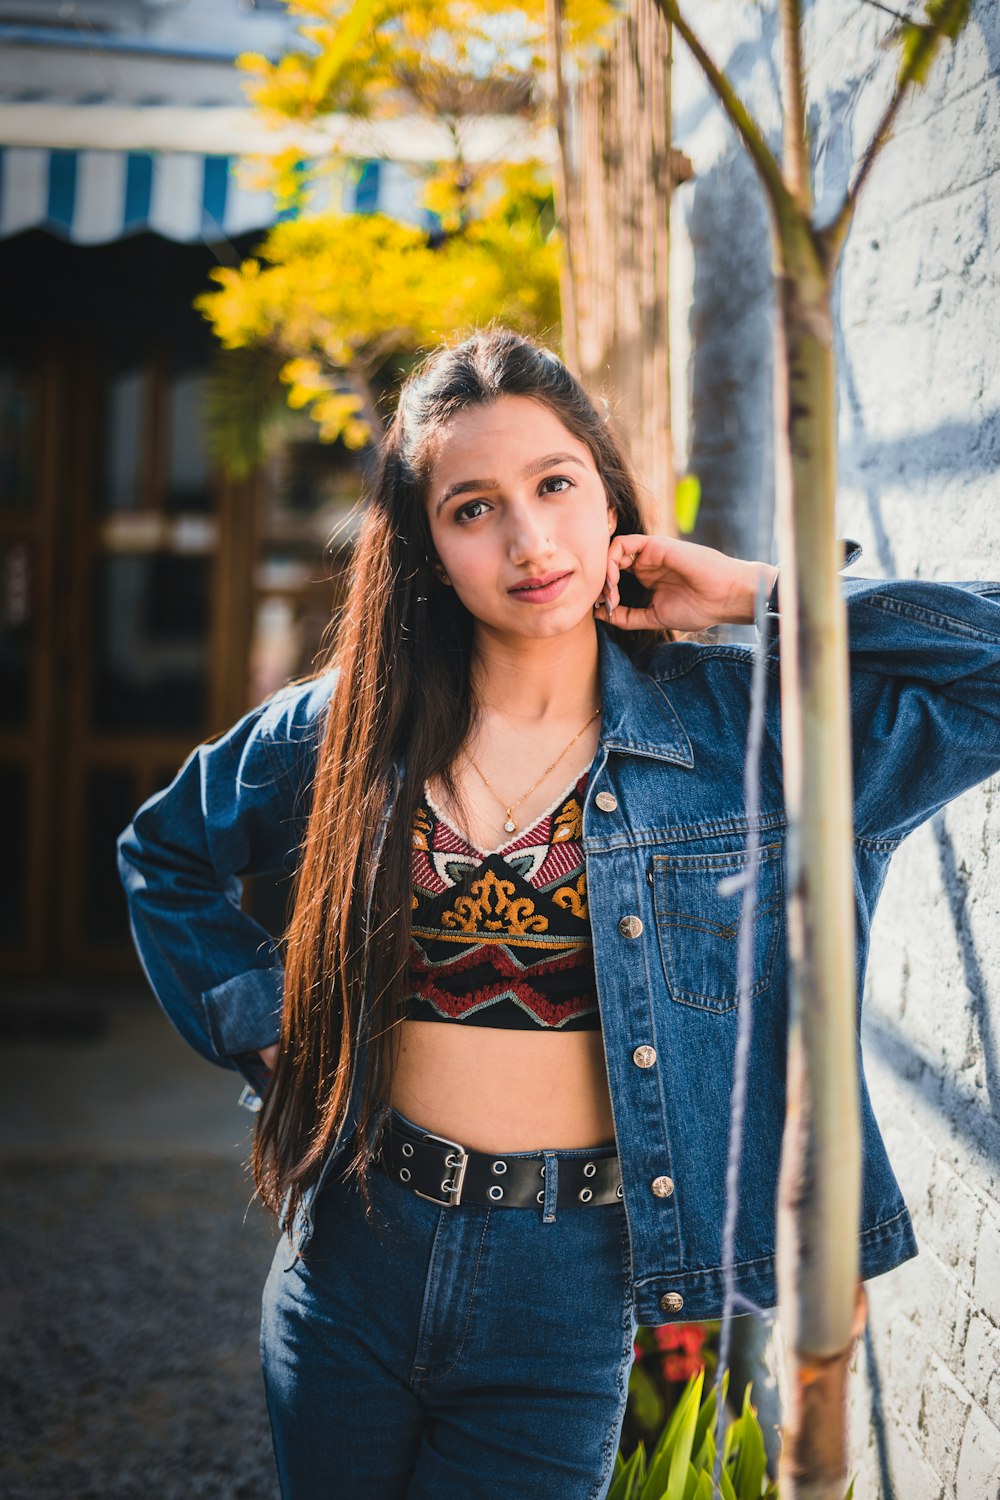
535,467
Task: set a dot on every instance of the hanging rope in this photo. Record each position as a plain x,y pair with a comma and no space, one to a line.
746,882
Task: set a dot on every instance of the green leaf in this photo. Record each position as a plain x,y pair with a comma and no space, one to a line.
918,45
686,1423
668,1435
949,16
658,1476
850,1489
703,1489
617,1486
751,1461
706,1417
705,1454
919,40
690,1482
632,1476
731,1440
687,498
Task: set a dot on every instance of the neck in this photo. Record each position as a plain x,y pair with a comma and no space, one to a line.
557,677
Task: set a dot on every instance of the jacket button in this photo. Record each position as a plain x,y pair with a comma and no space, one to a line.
662,1186
671,1302
606,801
630,927
644,1057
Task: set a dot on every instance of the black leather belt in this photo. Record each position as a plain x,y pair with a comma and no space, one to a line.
446,1172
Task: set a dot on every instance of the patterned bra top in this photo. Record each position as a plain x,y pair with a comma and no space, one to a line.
503,939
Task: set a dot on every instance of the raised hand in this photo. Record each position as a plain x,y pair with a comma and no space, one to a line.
692,586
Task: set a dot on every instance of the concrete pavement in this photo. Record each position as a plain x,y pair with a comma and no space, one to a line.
131,1262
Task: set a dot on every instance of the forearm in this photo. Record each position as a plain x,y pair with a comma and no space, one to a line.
741,608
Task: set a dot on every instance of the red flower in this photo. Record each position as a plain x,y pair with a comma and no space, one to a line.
687,1336
680,1367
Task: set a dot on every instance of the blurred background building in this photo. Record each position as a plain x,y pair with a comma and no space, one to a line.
146,600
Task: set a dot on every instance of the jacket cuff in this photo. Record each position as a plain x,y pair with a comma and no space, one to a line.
243,1014
852,551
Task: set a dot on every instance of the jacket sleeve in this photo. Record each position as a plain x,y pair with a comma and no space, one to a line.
925,697
237,807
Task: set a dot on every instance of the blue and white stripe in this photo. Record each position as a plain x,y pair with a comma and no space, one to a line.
94,196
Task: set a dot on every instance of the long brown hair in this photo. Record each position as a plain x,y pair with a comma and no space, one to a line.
401,654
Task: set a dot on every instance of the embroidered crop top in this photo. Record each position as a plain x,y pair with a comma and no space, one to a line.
503,939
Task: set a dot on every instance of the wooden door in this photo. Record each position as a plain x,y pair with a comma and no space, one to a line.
135,645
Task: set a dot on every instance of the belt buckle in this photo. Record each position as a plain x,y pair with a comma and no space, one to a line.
455,1191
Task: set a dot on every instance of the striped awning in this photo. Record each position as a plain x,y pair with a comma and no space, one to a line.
95,173
93,197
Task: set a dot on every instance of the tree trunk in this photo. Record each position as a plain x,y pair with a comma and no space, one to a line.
562,187
820,1183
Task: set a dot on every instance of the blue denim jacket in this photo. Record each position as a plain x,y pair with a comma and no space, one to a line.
925,705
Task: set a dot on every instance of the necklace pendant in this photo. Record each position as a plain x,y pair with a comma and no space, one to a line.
510,826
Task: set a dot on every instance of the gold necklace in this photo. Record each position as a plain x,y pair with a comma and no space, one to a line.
510,826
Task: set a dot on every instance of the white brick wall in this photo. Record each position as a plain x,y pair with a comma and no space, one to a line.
919,422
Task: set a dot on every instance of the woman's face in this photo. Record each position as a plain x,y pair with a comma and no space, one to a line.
519,518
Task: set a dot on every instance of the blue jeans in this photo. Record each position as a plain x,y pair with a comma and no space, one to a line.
467,1352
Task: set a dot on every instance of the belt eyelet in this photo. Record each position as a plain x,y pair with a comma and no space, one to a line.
618,1191
589,1169
406,1149
404,1174
495,1192
499,1167
585,1195
540,1197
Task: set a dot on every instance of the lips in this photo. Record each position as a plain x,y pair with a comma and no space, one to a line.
533,585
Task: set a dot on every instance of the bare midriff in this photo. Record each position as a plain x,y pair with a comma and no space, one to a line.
493,1089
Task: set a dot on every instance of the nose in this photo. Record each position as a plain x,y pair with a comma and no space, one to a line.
527,539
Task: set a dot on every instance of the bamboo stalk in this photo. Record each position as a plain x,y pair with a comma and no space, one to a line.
819,1195
819,1191
795,162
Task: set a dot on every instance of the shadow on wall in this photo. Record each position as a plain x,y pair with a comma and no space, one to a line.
731,318
887,1490
955,875
949,448
731,330
743,62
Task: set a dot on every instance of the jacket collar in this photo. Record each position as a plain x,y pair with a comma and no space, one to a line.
638,717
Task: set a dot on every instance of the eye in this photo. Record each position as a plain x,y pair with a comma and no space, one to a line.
558,479
462,513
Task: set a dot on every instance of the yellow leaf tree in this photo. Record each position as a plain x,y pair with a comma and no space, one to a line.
338,305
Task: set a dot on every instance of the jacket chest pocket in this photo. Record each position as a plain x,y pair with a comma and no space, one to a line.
697,926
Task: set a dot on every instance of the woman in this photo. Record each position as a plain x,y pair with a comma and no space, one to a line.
502,1025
